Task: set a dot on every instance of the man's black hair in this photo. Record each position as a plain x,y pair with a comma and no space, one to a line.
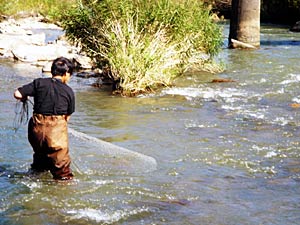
61,65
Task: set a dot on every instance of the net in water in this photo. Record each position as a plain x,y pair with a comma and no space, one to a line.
94,156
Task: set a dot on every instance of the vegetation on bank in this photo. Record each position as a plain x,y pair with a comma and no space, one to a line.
141,44
144,44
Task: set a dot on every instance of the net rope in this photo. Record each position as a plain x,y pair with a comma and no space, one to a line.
21,113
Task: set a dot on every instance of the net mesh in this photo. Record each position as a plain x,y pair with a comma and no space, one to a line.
21,113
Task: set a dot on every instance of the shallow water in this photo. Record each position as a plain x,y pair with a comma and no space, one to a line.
226,153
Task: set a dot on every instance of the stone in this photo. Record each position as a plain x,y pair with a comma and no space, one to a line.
222,80
25,40
9,41
296,27
34,53
47,67
83,62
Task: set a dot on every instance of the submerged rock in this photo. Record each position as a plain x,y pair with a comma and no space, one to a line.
222,80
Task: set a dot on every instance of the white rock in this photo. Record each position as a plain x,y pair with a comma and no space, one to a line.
33,53
18,40
47,67
83,61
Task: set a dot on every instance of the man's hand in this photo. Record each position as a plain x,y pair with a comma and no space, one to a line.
19,96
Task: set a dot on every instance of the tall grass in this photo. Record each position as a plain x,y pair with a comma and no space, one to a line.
139,60
144,43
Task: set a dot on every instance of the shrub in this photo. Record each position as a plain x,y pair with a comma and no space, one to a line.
144,43
139,60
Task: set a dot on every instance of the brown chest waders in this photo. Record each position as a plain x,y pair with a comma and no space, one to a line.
48,136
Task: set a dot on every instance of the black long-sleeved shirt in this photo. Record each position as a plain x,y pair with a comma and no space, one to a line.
51,96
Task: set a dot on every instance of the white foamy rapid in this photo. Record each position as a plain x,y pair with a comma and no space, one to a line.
206,93
107,217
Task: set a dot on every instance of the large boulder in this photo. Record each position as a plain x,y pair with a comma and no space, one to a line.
9,41
35,53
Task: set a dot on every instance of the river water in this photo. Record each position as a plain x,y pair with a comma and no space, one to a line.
226,153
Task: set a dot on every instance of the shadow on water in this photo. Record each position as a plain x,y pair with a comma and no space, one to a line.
280,43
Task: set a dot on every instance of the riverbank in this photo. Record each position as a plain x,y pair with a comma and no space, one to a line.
34,41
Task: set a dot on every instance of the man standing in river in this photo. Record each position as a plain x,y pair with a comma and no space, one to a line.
54,102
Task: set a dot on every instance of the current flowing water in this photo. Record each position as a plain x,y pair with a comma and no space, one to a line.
206,153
